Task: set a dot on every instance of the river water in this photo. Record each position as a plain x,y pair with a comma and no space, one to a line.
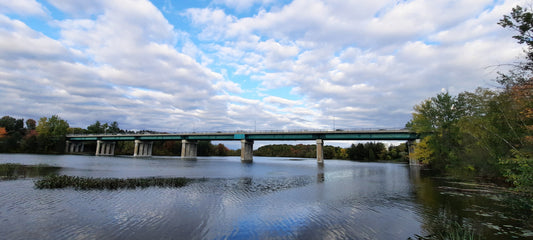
272,198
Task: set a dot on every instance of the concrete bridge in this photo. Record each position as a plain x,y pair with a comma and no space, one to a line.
144,142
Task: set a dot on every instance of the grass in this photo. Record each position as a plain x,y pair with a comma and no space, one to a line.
85,183
12,171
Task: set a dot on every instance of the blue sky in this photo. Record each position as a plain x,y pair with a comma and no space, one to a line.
225,65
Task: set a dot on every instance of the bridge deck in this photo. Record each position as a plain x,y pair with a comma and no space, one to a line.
265,136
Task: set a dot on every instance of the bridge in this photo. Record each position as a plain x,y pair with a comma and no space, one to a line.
144,142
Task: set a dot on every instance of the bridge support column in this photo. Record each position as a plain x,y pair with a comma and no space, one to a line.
247,151
411,145
67,145
189,148
320,151
143,148
104,148
74,147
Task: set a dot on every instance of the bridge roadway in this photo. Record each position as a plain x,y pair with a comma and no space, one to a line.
144,142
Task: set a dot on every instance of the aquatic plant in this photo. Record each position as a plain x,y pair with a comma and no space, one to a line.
87,183
452,231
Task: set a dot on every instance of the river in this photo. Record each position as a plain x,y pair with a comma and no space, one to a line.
272,198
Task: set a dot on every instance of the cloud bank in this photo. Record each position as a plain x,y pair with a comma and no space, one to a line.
230,65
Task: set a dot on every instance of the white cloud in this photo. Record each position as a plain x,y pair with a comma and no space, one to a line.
229,86
22,7
19,41
281,101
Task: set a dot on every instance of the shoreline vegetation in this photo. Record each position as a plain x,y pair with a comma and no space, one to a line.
487,133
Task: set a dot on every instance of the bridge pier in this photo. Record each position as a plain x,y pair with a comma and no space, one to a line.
143,148
247,151
104,148
320,151
411,145
189,148
74,147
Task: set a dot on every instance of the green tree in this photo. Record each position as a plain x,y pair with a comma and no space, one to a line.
521,20
204,148
31,124
53,126
95,128
518,111
51,134
98,128
11,124
439,116
113,128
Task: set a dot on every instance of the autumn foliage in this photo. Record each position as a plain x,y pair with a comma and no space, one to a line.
3,132
522,94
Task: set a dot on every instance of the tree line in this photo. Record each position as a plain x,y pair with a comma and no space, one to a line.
48,136
370,151
45,136
485,133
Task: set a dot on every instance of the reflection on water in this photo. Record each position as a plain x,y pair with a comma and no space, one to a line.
492,212
272,198
12,171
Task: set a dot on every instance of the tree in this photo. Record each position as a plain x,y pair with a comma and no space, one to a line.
221,150
423,152
95,128
51,134
439,116
204,148
53,126
3,132
113,128
31,124
521,20
11,124
76,130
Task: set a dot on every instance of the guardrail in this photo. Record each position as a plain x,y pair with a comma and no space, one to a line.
247,132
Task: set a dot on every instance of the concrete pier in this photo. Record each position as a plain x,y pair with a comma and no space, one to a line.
189,148
74,147
143,148
104,148
320,151
247,151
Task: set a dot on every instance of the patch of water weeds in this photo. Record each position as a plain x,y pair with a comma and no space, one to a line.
267,185
13,171
450,230
88,183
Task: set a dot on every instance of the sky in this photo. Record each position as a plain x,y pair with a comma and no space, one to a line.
224,65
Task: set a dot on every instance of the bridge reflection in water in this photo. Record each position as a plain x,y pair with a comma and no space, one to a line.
144,142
